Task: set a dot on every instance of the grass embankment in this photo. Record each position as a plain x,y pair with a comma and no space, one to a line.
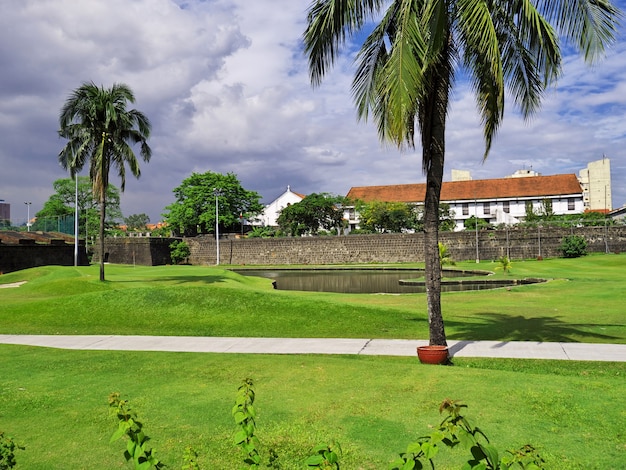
583,302
54,401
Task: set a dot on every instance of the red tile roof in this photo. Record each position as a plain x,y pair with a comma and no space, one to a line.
510,188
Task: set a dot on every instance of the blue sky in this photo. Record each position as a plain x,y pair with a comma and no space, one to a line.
226,87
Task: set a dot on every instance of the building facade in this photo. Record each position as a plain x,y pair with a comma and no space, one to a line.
5,213
596,183
496,201
271,212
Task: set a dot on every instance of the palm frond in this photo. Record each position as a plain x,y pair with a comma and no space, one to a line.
329,23
589,24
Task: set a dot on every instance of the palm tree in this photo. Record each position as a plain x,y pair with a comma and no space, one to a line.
100,129
407,65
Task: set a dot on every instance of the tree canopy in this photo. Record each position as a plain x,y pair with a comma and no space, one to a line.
136,221
381,217
61,205
193,212
316,211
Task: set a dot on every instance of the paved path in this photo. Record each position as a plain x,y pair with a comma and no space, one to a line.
382,347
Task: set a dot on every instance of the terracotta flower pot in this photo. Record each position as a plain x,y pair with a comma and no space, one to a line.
432,354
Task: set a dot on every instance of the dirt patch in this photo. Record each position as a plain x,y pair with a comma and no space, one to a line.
13,284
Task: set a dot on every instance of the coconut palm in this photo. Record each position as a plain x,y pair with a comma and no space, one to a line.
101,129
407,65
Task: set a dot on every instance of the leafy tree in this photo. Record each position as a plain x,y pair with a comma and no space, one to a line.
394,217
446,218
61,204
179,251
52,213
470,224
136,221
316,211
407,66
193,212
100,128
547,212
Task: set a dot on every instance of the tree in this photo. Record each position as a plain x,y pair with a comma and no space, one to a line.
61,205
394,217
136,221
100,128
313,212
193,212
473,221
179,251
446,218
407,65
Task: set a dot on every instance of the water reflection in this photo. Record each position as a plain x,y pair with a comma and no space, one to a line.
355,281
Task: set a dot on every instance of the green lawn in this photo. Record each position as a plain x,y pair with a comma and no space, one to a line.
54,401
583,302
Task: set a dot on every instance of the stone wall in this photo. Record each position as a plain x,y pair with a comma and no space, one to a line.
389,248
135,250
28,254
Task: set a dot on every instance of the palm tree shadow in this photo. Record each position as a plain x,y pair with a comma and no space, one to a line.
185,279
488,326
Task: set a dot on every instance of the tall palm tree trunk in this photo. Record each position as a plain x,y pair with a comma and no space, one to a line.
101,234
433,113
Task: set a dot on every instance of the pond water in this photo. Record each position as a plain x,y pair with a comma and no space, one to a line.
362,281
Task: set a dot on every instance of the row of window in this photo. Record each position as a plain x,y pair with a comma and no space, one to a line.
506,207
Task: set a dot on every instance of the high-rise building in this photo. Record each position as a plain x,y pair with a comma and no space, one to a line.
596,183
5,213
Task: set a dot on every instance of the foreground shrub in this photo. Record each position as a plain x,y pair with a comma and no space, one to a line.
7,451
456,430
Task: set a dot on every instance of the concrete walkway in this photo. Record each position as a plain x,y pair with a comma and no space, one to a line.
382,347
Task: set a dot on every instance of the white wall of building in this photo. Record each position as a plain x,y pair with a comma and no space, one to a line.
596,183
272,210
511,211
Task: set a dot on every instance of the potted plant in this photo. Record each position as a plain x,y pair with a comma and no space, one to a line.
432,354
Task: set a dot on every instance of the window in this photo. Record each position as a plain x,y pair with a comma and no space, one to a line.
505,207
465,208
571,204
486,208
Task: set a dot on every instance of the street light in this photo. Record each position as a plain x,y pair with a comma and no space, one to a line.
217,193
28,215
76,222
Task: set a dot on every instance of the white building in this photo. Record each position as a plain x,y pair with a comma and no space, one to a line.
596,183
497,201
272,210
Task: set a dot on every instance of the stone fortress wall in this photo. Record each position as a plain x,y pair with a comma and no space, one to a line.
388,248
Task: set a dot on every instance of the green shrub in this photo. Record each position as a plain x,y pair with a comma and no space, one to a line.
573,246
262,232
504,264
444,255
179,251
7,451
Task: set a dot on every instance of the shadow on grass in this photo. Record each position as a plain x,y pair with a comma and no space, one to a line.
499,327
186,279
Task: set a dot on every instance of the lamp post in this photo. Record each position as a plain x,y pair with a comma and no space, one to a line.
476,229
28,215
76,223
217,193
